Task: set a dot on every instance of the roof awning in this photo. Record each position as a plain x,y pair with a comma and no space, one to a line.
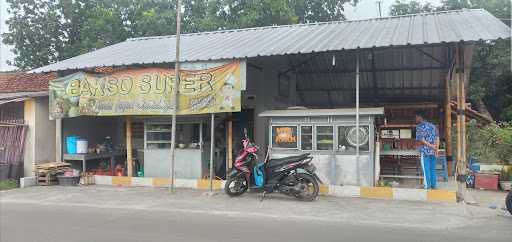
20,96
408,30
321,112
4,101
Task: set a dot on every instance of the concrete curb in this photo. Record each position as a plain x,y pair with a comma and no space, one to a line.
27,181
388,193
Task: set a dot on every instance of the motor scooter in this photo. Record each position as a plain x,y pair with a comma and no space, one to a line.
294,175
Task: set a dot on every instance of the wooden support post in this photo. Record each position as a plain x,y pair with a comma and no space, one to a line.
461,122
462,80
58,140
129,160
448,124
230,144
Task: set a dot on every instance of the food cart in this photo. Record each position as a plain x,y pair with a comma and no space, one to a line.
330,135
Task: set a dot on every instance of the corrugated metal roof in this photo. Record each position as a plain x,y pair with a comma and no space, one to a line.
418,29
321,112
401,74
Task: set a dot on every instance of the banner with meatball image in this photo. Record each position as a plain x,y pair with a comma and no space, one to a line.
146,91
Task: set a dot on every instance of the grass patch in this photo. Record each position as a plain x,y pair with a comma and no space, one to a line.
8,184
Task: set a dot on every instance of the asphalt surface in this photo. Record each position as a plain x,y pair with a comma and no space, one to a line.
155,215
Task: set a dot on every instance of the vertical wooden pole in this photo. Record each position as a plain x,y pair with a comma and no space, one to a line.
58,140
461,165
129,159
462,80
230,144
448,124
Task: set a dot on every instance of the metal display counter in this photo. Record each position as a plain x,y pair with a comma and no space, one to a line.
330,135
190,159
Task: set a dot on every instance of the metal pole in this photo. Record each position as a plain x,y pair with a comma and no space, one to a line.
357,107
379,2
58,139
175,92
212,146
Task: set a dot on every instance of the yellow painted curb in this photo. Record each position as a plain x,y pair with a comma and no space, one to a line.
161,182
377,192
205,184
441,196
324,189
121,181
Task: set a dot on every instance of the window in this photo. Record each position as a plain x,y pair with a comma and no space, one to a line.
306,137
284,137
158,136
347,139
324,137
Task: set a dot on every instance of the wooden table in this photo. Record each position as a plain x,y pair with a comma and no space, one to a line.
87,157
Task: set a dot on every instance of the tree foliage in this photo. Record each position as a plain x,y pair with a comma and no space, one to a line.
46,31
403,8
491,77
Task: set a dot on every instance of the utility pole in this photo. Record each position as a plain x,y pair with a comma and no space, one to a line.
379,2
175,92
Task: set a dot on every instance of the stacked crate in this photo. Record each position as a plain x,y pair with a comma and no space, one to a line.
46,173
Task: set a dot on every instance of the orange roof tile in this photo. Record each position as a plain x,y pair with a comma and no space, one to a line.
24,82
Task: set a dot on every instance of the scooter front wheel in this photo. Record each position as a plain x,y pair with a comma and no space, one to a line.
236,186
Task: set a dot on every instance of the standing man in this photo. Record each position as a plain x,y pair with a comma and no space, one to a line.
428,141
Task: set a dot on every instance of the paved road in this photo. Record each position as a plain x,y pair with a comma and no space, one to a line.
64,219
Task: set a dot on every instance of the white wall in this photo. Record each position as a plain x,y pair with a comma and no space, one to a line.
40,140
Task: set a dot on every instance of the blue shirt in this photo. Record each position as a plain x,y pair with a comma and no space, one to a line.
428,132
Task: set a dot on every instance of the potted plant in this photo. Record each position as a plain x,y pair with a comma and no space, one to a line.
506,179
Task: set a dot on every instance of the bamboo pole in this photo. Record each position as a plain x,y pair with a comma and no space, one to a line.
129,155
175,92
462,80
448,124
461,166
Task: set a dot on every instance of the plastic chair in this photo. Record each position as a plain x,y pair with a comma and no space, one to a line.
443,172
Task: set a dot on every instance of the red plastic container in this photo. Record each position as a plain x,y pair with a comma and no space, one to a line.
486,181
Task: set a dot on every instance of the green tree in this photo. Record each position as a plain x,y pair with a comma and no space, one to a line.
35,30
403,8
491,78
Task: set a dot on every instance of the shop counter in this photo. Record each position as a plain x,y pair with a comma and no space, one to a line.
188,163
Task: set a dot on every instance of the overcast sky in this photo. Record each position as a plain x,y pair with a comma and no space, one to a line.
365,9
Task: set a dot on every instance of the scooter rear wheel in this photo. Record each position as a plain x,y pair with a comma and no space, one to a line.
310,187
236,186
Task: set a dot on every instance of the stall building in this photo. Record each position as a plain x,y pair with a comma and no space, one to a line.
324,78
24,125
